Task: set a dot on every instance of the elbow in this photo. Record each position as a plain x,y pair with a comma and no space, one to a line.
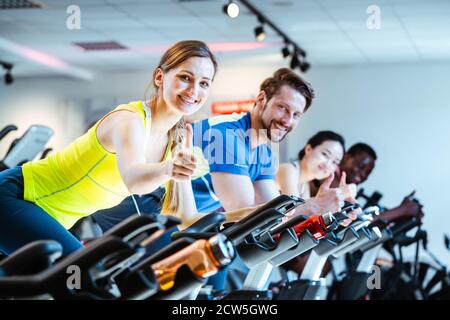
133,187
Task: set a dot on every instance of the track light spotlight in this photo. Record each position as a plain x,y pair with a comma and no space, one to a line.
294,62
290,49
231,9
304,66
285,51
8,77
301,52
260,35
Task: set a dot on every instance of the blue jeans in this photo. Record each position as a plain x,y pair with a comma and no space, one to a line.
149,204
22,222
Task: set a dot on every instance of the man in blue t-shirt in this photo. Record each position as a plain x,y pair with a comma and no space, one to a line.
238,153
225,146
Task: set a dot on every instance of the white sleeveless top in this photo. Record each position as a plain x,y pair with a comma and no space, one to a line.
303,188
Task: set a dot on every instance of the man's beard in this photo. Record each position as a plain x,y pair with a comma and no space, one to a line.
269,133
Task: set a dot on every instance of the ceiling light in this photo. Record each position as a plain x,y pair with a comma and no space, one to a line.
8,77
231,9
285,51
294,62
260,35
304,66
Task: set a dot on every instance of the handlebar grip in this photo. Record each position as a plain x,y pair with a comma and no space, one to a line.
206,223
7,130
401,227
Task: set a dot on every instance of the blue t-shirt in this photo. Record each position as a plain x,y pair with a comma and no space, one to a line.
223,143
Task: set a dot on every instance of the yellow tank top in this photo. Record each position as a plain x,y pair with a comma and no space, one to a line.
80,179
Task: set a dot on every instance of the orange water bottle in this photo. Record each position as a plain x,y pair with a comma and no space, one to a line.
316,225
204,258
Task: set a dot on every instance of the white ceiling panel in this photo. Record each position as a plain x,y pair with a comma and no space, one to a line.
331,31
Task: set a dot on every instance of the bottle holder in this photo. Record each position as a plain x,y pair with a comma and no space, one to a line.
364,235
386,235
138,285
343,215
290,223
306,242
257,223
139,227
255,250
327,247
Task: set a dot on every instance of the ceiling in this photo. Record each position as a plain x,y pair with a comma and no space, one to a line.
332,32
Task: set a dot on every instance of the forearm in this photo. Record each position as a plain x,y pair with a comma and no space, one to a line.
146,177
234,202
187,209
389,215
309,208
236,215
230,216
265,191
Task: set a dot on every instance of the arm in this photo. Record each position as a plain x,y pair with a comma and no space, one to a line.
187,210
123,132
234,191
326,200
287,177
407,209
230,216
265,190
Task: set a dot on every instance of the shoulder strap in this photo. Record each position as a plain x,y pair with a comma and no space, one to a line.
294,163
148,121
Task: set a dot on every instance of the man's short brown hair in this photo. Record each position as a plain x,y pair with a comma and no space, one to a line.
285,76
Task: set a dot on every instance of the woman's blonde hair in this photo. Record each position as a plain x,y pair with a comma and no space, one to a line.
172,58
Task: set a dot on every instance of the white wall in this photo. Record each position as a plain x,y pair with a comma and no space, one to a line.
403,111
26,107
400,109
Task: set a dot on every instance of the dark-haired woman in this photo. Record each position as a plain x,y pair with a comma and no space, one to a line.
317,160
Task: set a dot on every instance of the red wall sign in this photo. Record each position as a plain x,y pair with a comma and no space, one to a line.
228,107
